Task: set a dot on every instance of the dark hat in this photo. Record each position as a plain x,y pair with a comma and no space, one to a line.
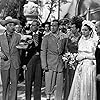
35,20
9,20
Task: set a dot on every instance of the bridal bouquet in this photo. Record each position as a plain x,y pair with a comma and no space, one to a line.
70,59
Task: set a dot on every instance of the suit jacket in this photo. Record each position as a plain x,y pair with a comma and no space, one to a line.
97,55
52,50
32,48
10,51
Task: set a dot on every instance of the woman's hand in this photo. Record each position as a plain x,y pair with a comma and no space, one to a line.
80,57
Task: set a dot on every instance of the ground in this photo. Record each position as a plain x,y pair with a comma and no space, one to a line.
21,92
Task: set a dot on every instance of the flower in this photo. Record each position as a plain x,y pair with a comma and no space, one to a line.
89,23
70,59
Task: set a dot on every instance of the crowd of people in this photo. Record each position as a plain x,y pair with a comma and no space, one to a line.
65,53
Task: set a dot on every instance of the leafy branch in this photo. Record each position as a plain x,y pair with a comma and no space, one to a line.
51,6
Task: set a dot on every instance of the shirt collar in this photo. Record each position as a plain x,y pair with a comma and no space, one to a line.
35,32
5,33
60,35
56,35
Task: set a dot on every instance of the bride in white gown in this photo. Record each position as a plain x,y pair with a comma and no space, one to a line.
84,82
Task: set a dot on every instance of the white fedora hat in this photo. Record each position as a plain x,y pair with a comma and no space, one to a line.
9,19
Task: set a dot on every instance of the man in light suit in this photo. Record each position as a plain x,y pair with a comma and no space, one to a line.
10,59
52,48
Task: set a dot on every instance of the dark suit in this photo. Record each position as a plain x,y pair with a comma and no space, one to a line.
33,72
10,66
97,55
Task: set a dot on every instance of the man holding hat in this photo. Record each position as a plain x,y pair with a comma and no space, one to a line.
34,71
10,59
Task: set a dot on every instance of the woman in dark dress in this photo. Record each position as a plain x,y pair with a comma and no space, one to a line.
72,46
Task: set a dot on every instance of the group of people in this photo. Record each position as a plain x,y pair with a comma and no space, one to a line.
67,56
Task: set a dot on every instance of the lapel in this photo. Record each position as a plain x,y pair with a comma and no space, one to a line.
4,43
56,41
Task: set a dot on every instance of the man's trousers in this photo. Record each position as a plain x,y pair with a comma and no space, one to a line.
33,73
53,79
69,75
9,83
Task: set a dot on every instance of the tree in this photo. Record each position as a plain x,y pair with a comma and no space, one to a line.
53,4
20,14
11,9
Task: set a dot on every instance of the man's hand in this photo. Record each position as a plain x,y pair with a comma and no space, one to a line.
24,67
45,69
4,57
98,77
29,41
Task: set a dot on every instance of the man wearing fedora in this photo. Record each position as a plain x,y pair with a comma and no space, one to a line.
10,59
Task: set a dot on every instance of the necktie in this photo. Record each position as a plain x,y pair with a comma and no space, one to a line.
9,38
36,40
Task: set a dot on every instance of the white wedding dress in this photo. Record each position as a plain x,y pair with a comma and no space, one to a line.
84,82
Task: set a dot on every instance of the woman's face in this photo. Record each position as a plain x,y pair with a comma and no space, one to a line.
73,28
85,31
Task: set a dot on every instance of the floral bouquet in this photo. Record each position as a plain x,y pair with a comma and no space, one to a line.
70,59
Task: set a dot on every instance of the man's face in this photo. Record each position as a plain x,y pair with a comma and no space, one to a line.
10,27
54,27
18,28
47,27
97,27
34,27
